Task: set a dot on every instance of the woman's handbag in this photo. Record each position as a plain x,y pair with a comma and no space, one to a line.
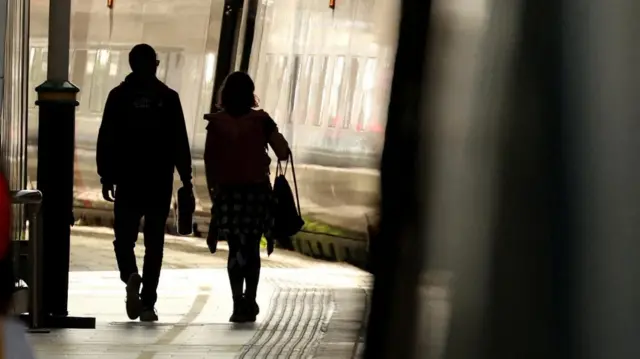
286,214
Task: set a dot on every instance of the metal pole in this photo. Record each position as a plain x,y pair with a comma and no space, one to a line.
31,202
35,292
24,127
56,141
229,31
59,34
56,150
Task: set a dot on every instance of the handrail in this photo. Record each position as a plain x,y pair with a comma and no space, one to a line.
32,199
26,197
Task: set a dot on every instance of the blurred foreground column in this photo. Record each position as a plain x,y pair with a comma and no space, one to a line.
524,190
603,111
396,252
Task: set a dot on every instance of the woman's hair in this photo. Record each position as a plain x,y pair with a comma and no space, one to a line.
236,94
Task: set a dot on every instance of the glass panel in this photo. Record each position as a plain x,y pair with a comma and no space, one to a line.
100,80
318,73
341,82
85,94
162,68
348,92
304,87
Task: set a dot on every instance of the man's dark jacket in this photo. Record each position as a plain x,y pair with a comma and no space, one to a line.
143,135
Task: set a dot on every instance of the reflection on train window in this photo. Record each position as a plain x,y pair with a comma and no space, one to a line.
302,91
294,88
368,85
315,91
162,68
37,72
100,83
326,91
349,92
207,84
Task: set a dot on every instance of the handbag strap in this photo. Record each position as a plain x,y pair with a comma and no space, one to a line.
295,182
283,172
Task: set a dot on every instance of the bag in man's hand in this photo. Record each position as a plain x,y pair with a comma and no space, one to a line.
287,216
186,207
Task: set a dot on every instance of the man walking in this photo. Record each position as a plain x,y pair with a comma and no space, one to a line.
142,138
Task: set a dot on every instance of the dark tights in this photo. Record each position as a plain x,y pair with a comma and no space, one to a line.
243,266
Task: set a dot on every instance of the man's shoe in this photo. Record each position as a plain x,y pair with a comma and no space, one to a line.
149,315
134,304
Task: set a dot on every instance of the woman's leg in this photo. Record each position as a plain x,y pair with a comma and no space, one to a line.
252,275
236,276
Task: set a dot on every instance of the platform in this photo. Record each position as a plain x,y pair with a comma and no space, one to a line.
309,308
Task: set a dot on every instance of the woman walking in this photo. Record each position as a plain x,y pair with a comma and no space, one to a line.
237,170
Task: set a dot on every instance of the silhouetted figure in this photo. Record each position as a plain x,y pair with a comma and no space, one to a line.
237,168
142,139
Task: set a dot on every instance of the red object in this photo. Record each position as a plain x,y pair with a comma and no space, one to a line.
5,217
110,4
332,4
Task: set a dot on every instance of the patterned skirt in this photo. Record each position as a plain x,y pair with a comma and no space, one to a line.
242,211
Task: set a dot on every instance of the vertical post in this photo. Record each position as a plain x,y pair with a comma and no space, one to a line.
229,31
249,32
35,297
35,262
56,143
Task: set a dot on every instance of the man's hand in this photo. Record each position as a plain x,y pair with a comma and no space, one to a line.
270,246
187,185
108,192
212,241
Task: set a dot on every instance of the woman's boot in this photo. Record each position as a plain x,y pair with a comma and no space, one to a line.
236,279
239,311
252,277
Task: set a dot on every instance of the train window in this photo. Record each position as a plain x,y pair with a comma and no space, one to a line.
282,88
369,92
316,93
113,66
123,69
262,80
333,80
162,69
273,94
302,97
353,90
294,87
87,82
206,91
358,97
174,73
349,91
37,72
100,81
